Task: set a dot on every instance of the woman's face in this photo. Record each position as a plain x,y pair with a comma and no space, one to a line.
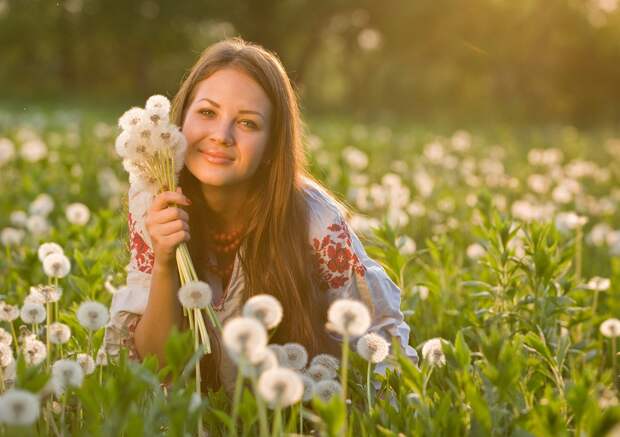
227,128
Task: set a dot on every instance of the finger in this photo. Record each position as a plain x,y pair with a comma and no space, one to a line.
170,228
169,214
163,200
176,238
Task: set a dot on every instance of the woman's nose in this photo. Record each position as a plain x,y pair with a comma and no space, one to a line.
222,133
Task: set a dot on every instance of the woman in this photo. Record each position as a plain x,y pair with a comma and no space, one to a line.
259,223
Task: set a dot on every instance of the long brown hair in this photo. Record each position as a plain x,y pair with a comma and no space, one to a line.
276,258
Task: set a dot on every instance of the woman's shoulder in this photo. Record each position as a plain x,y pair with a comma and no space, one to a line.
323,207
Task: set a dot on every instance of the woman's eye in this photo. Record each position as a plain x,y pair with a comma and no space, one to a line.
249,123
206,112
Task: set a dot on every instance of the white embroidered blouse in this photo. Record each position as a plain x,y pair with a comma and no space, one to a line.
342,265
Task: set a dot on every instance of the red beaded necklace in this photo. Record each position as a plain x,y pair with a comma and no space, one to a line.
224,244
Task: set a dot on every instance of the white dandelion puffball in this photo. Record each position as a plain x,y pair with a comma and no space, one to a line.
18,218
33,150
348,317
6,355
158,109
8,312
309,384
49,293
33,313
92,315
318,372
264,307
77,213
46,249
67,373
372,347
5,337
280,387
34,297
19,407
278,350
265,360
610,328
326,389
102,357
59,333
296,356
195,294
42,205
34,351
86,362
433,353
327,360
56,265
599,284
11,236
37,225
132,118
7,151
244,337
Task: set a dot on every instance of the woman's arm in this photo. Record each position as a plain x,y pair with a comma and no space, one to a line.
167,227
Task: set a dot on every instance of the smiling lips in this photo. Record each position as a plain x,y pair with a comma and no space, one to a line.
216,157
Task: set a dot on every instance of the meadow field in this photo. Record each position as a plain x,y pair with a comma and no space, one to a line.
505,242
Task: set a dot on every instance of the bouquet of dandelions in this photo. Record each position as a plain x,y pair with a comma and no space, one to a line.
153,151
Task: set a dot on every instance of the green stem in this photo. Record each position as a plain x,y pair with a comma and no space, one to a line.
277,421
614,360
260,405
237,398
369,398
344,367
578,254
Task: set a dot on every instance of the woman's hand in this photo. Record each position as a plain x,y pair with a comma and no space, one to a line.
168,226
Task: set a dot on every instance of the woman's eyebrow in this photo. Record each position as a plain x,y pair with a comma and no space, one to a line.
242,111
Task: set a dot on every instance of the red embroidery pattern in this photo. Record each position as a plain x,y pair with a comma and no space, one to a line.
334,258
141,251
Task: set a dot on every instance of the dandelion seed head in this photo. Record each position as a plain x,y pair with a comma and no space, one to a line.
265,308
42,205
610,328
86,362
77,214
432,352
319,372
92,315
67,373
46,249
34,351
131,118
296,356
244,337
326,360
372,347
33,150
5,337
266,359
326,389
102,357
11,236
8,312
195,294
19,407
56,265
348,317
37,225
6,355
599,284
280,387
33,313
48,293
59,333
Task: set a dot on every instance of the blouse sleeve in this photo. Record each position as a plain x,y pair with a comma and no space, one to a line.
345,270
129,301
